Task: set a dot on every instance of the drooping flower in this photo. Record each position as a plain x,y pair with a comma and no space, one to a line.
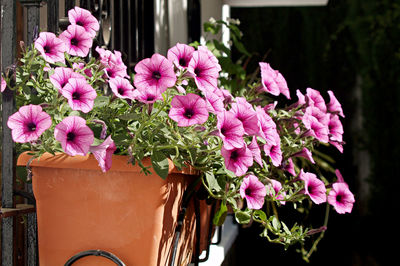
315,99
147,95
230,130
61,76
339,176
341,198
334,105
3,84
335,128
155,72
267,127
274,151
255,150
74,135
321,117
80,94
315,128
103,153
121,88
77,41
180,55
301,98
289,166
272,81
237,160
83,17
305,153
204,68
188,110
254,191
277,187
29,123
246,114
50,47
313,187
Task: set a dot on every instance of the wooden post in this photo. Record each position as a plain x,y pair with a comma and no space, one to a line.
8,48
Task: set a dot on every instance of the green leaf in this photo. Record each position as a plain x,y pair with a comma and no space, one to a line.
242,217
220,216
276,224
101,101
212,182
260,215
160,164
130,116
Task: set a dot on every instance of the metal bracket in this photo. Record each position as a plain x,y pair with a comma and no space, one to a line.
95,252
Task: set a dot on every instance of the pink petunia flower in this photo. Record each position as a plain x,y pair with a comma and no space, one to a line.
321,117
188,110
180,55
255,150
215,104
77,41
121,88
274,151
246,114
315,99
204,68
74,135
230,130
80,95
339,176
301,98
254,191
305,153
29,123
341,198
334,105
103,153
277,187
147,95
237,160
61,76
155,72
83,17
267,127
50,47
112,62
3,84
272,81
313,187
335,128
316,129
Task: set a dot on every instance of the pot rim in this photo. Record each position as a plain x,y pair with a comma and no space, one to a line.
89,162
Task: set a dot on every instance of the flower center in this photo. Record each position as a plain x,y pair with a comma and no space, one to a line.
121,91
339,198
70,136
223,131
47,49
156,75
150,98
197,71
80,23
76,95
310,189
234,155
74,41
182,62
31,126
247,191
188,113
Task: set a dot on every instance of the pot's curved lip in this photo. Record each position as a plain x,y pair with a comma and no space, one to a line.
88,162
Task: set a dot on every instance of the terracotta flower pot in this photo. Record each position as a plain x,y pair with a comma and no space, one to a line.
123,211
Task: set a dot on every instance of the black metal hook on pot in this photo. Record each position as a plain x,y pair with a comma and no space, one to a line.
96,252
